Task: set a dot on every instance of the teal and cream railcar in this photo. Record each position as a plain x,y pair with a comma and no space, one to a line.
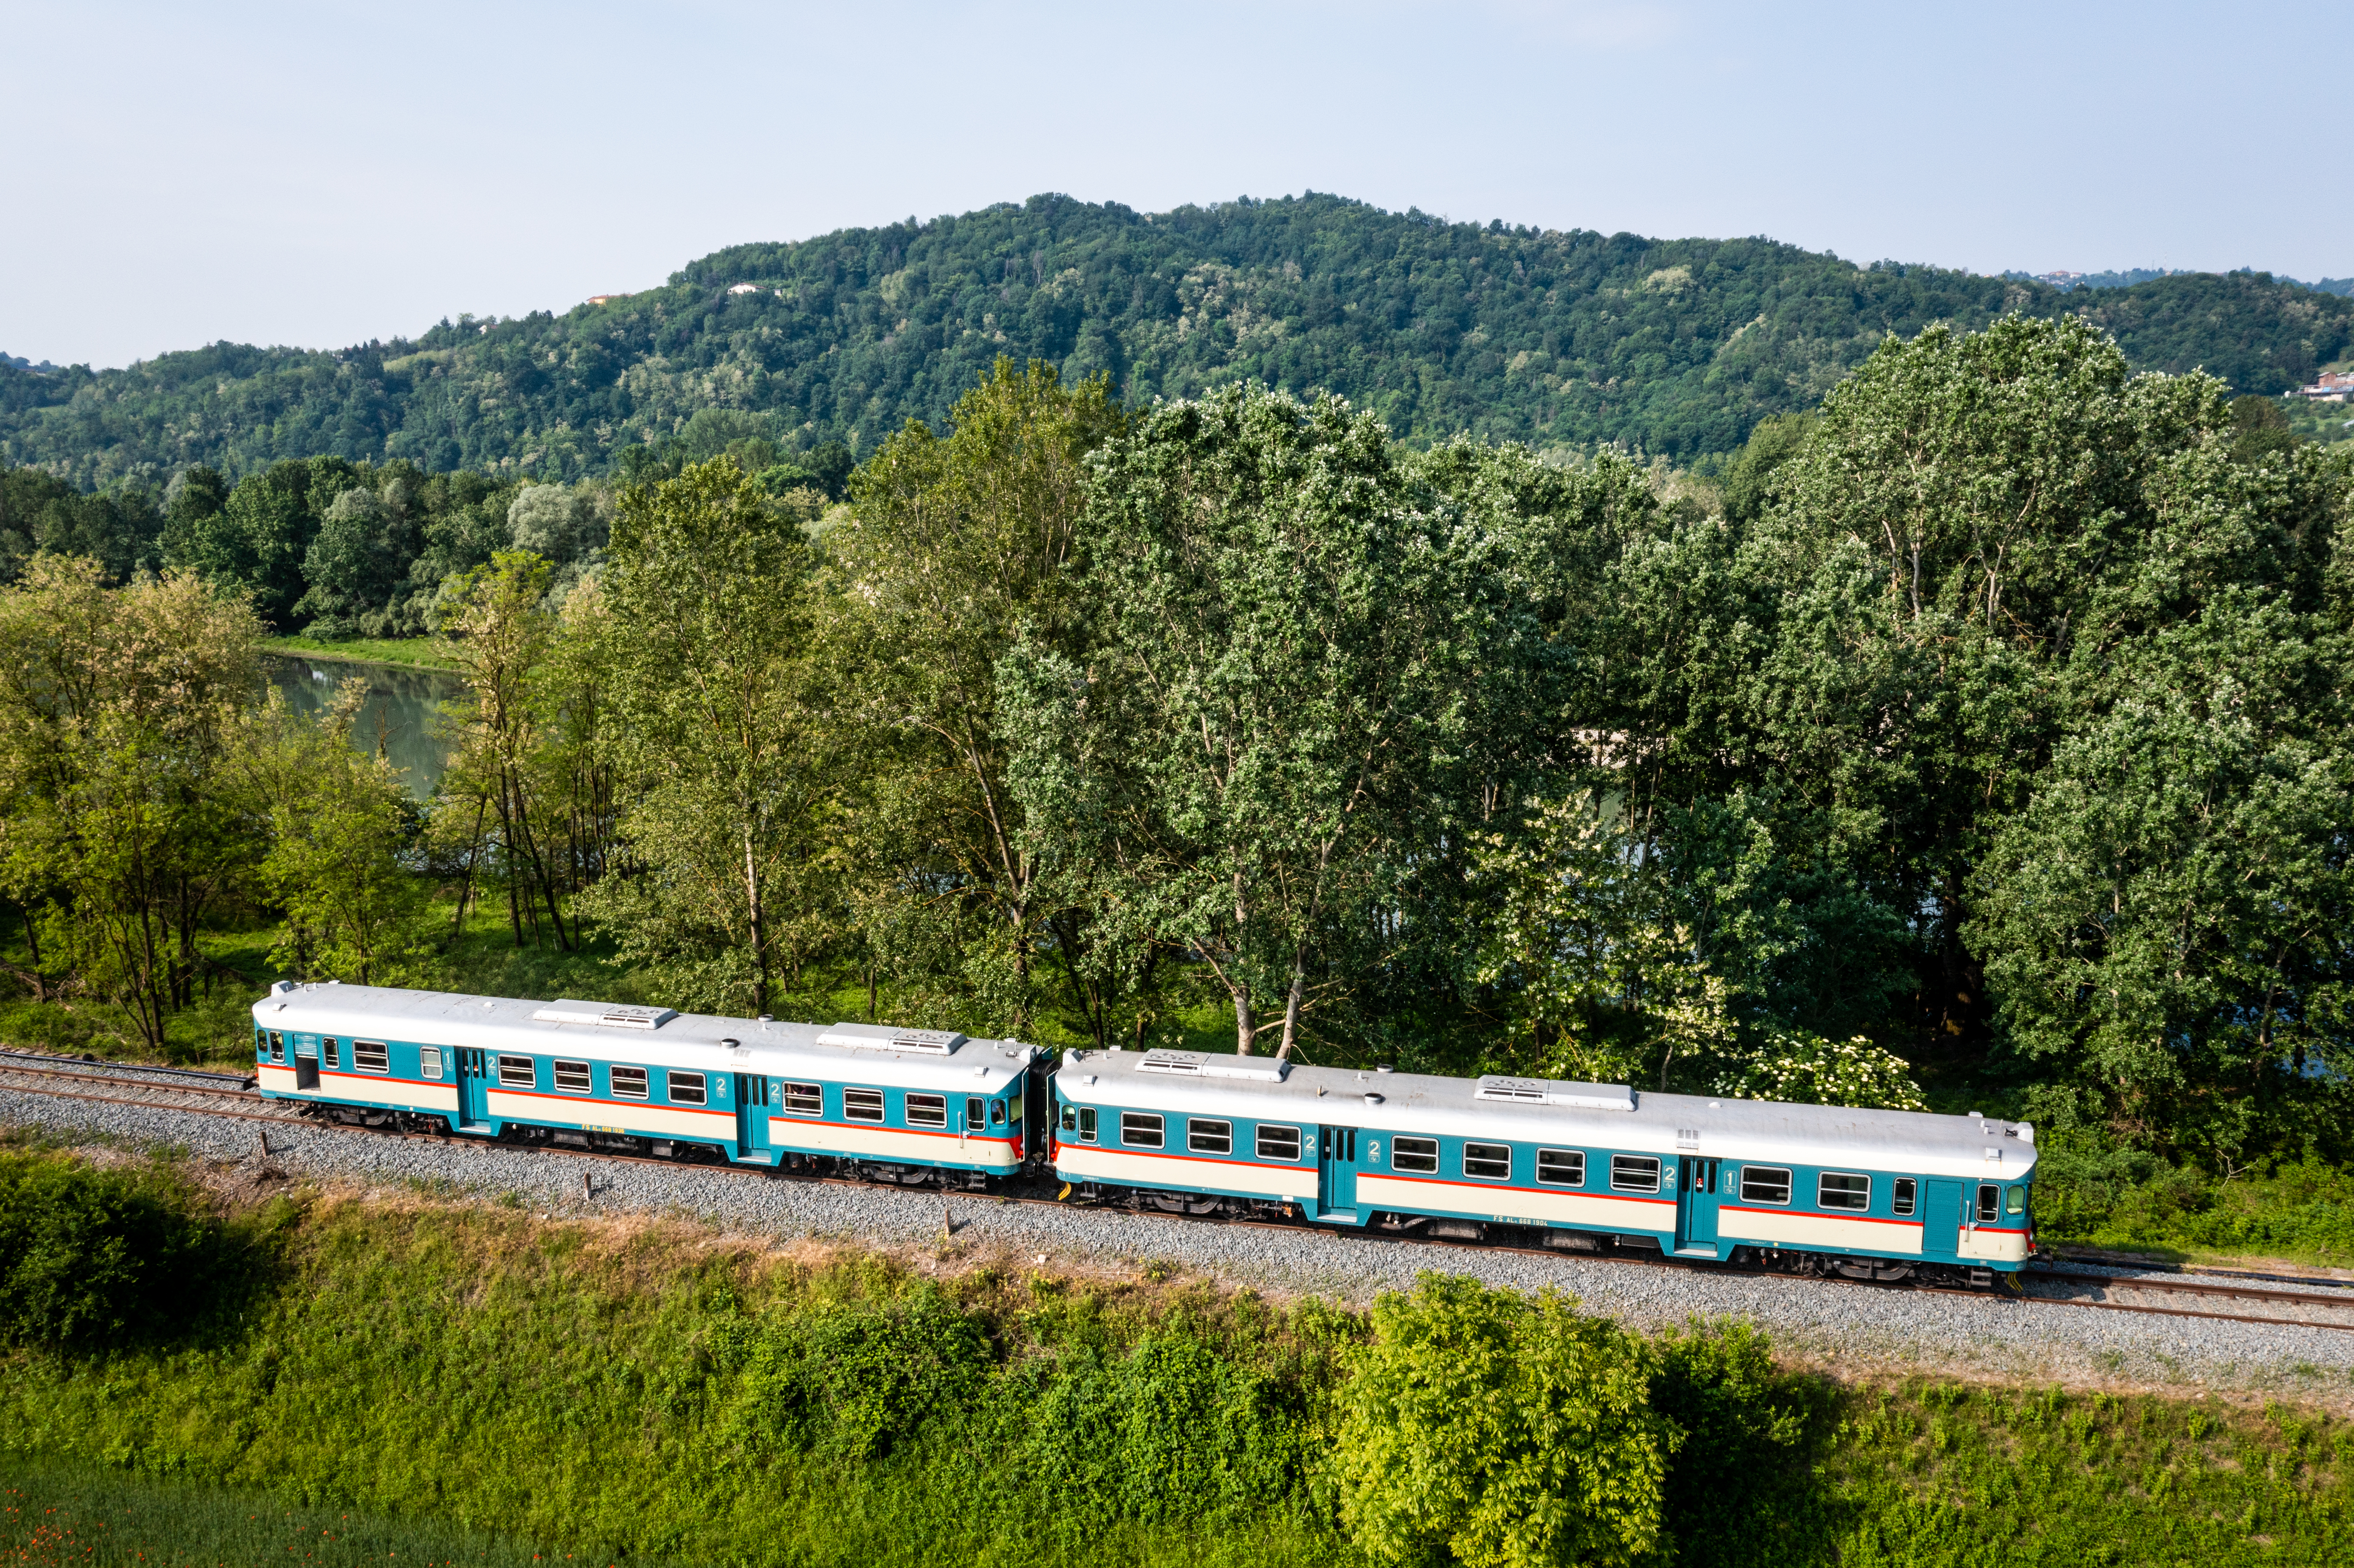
913,1106
1878,1194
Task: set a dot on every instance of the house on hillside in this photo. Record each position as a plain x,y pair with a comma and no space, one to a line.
745,289
605,298
2331,387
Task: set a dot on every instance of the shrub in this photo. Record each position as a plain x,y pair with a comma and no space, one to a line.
1511,1431
1171,1431
93,1257
853,1381
1742,1489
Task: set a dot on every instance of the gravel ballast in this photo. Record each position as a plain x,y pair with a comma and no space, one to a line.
1856,1330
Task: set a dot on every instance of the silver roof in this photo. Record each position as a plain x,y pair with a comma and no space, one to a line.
655,1037
1535,1110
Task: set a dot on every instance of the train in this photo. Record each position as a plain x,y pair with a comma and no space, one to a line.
1577,1167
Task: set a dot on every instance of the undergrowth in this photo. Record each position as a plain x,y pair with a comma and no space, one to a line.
2094,1195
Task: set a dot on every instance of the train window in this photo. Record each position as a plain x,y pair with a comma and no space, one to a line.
2014,1200
1139,1130
334,1059
1988,1195
1013,1110
629,1083
370,1056
429,1061
1414,1154
1205,1136
685,1088
1488,1161
277,1046
1088,1124
1635,1172
1765,1184
975,1116
517,1072
262,1045
572,1077
997,1113
1902,1200
928,1110
1838,1190
1560,1167
1279,1143
863,1104
1070,1117
804,1100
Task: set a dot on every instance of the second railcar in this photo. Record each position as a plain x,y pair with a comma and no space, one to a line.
1883,1193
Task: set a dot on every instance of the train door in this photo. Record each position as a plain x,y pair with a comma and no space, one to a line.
473,1089
1696,1206
306,1062
754,1095
1941,1218
1336,1178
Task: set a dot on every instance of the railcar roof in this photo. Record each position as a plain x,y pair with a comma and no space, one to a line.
1575,1114
652,1036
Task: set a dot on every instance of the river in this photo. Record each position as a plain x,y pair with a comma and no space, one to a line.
398,714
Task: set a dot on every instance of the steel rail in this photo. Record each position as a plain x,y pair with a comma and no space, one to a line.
59,1062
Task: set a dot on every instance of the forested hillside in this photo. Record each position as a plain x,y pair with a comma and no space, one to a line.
1557,339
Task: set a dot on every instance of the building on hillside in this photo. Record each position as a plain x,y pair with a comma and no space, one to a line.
605,298
745,289
2331,387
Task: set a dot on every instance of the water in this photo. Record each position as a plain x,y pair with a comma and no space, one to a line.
400,707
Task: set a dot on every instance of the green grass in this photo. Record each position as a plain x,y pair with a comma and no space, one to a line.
61,1512
601,1388
1934,1475
419,653
447,1380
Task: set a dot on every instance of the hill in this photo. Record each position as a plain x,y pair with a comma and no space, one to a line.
1570,339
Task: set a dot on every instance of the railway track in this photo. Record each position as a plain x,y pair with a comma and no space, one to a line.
231,1095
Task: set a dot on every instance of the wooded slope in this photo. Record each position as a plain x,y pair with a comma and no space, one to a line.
1675,347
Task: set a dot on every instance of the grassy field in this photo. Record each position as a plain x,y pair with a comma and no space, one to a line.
419,653
446,1379
59,1513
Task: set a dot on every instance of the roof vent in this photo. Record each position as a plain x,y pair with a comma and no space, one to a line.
1202,1065
884,1037
608,1015
1546,1092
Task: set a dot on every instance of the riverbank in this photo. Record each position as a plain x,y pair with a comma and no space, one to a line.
412,653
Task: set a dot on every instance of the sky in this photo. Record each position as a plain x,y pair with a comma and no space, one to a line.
324,173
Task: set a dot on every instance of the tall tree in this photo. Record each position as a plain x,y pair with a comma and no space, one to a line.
1285,665
337,822
956,545
114,713
496,630
708,594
